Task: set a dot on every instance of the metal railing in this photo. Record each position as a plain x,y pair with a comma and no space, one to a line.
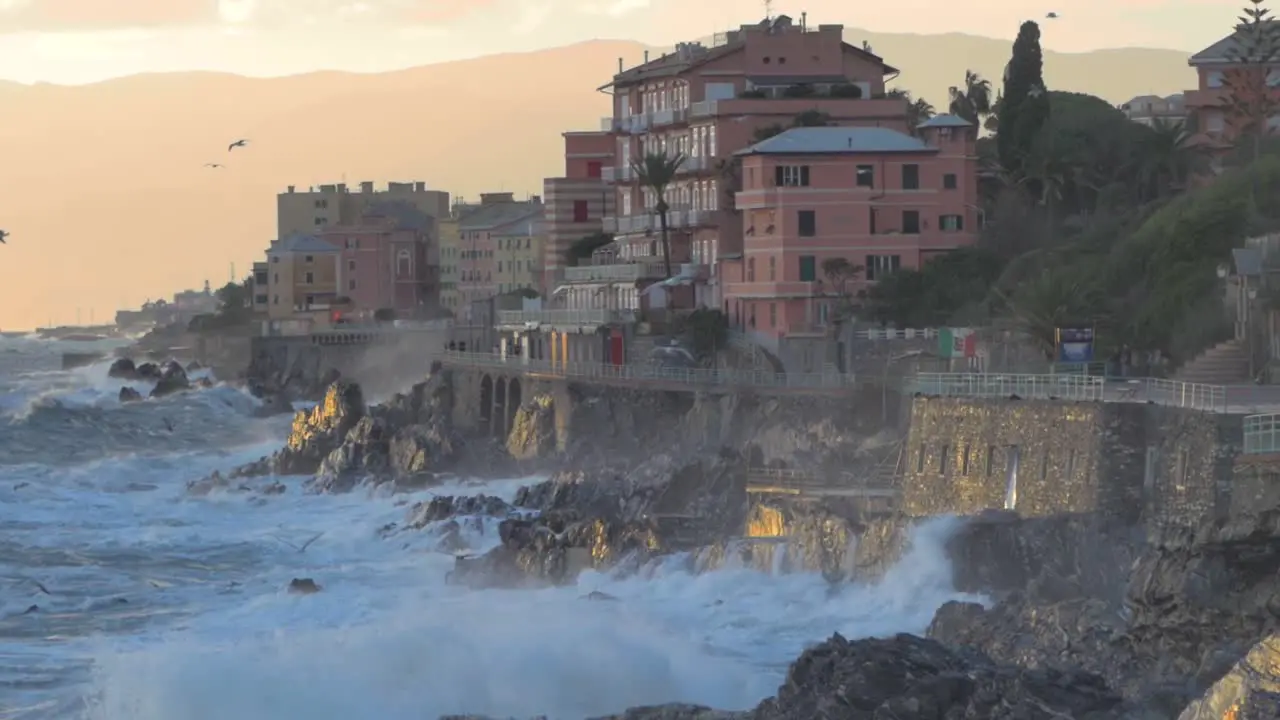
695,163
620,272
1196,396
1063,387
693,377
630,223
1262,434
703,108
802,481
618,173
565,318
662,117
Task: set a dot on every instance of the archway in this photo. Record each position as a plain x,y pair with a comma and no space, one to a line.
499,426
513,403
486,401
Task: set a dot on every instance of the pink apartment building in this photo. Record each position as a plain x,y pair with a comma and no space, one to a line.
707,103
576,203
388,259
478,232
876,197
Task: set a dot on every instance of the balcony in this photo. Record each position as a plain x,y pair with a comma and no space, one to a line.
618,173
836,107
662,117
635,124
609,124
696,163
609,225
624,224
696,218
622,272
1211,97
555,319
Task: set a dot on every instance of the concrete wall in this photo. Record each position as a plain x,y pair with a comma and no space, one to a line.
1164,466
386,363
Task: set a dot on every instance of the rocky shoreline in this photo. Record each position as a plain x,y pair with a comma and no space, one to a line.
1087,618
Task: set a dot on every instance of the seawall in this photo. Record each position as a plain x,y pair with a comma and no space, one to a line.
301,366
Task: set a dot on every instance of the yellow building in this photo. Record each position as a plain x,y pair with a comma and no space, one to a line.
450,246
517,255
302,276
323,206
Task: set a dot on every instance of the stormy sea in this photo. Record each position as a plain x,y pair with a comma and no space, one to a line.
124,597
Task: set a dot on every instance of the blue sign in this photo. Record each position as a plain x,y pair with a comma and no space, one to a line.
1075,345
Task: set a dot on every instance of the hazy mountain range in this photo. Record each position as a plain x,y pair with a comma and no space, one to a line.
104,191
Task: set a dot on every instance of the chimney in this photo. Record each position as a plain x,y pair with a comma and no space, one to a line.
419,186
804,18
646,56
366,186
290,189
342,187
619,66
535,199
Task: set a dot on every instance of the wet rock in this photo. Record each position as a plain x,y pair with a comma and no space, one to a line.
123,369
361,454
172,379
128,394
443,507
203,383
193,366
204,486
533,431
273,405
599,596
148,371
319,431
303,586
31,610
1250,691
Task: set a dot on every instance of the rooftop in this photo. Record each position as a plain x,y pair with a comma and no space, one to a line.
1227,49
815,140
404,214
946,121
496,215
297,242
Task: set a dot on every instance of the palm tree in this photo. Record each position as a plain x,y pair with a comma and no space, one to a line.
1168,157
656,171
918,110
973,101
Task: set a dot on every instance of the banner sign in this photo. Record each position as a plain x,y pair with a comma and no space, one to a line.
1075,345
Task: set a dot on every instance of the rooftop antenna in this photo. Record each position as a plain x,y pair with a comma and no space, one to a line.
768,9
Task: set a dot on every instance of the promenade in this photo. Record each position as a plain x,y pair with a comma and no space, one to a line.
1226,399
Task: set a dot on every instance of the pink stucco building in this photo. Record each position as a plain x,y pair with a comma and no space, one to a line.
577,202
875,197
388,259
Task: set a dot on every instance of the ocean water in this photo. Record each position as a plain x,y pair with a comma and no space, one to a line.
156,605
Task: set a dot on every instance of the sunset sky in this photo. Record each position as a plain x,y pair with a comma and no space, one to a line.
77,41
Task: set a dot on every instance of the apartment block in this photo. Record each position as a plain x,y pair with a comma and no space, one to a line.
1150,109
450,247
817,201
577,203
388,260
1207,106
519,250
302,276
499,215
322,206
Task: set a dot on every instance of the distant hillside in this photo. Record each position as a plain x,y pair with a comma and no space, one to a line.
104,191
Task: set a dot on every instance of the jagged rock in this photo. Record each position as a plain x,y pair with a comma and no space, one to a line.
318,432
148,371
172,379
128,394
533,431
204,486
363,453
1250,691
123,369
421,448
443,507
303,586
193,366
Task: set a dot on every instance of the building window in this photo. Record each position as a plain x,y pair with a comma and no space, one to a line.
773,268
880,265
351,265
275,278
951,223
309,258
808,223
911,177
949,181
594,168
866,176
808,268
275,258
773,314
1215,122
580,214
751,269
351,284
910,222
320,221
943,457
311,278
1213,79
791,175
275,299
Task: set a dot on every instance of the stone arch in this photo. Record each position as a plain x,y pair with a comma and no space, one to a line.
514,400
486,400
499,425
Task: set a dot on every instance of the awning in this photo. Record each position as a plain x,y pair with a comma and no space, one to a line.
687,276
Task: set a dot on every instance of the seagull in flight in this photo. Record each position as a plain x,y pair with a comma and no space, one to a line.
1052,16
4,235
214,165
239,143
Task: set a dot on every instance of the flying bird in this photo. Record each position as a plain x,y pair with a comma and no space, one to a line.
1052,16
214,165
239,143
4,235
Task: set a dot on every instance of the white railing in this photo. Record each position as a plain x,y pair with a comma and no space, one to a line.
1063,387
618,173
608,124
695,163
648,373
663,117
624,224
1196,396
703,108
609,224
636,124
697,218
1262,434
621,272
565,318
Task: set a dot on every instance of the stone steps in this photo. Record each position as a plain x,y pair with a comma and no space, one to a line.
1226,363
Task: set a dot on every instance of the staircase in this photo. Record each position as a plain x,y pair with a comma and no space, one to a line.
1226,363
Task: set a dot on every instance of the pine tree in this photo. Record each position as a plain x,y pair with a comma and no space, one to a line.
1024,105
1252,99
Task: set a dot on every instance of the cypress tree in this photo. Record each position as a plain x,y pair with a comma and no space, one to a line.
1024,107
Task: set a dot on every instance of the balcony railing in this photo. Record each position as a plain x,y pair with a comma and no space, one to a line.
609,224
703,108
624,224
974,385
662,117
696,218
608,124
564,318
695,163
693,377
618,173
621,272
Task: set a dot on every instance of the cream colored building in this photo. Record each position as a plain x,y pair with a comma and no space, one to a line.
322,206
450,246
302,276
518,253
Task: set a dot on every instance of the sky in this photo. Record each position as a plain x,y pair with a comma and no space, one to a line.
81,41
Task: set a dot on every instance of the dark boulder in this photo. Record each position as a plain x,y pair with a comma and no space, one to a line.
172,379
444,507
303,586
273,405
123,369
148,371
128,394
